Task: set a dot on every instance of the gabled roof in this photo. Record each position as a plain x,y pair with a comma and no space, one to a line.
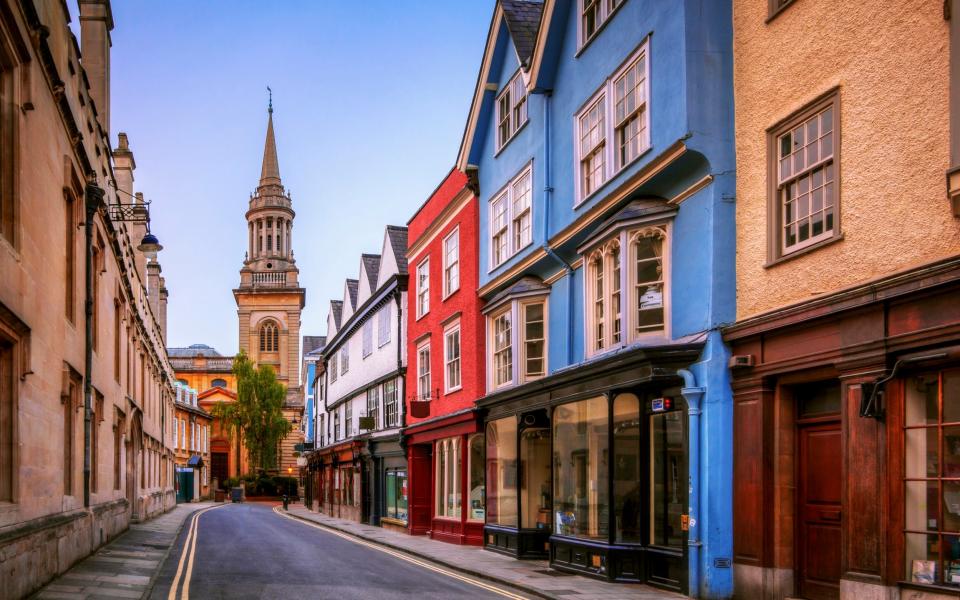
336,309
312,342
217,390
398,242
352,293
523,21
525,286
371,264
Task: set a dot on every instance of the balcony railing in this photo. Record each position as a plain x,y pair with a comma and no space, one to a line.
269,279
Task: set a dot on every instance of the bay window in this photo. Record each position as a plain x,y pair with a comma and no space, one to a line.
451,354
447,478
612,130
529,337
640,270
511,218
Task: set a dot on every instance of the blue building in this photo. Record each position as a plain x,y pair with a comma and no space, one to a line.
600,138
312,347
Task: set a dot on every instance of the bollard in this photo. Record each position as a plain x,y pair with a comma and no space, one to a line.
286,502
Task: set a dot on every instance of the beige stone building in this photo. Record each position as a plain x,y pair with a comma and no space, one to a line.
269,298
56,157
846,351
191,429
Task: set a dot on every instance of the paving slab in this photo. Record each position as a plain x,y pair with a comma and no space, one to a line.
127,566
532,576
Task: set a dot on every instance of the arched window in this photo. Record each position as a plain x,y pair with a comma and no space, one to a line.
220,383
269,337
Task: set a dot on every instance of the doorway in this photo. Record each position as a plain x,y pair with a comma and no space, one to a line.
819,482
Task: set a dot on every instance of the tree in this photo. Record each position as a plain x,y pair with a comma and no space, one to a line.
256,416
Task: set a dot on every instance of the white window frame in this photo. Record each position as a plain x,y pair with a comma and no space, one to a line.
176,431
451,264
367,335
628,307
449,330
333,368
448,480
607,94
383,326
512,228
348,418
344,359
517,107
423,288
606,10
518,358
424,374
390,420
374,392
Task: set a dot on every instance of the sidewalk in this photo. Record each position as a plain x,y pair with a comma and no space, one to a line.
125,567
530,576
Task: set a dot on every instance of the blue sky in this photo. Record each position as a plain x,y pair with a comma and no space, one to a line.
370,99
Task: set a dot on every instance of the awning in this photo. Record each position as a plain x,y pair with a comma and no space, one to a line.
195,461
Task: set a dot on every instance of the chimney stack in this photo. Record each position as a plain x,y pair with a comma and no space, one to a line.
153,288
96,23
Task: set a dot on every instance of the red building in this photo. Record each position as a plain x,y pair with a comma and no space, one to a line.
445,372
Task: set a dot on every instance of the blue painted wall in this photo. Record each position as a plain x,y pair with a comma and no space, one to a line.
691,101
310,403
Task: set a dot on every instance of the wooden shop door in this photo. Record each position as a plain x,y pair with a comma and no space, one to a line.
819,510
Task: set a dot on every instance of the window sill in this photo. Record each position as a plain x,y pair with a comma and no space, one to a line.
453,390
509,258
419,317
448,294
777,12
938,588
803,251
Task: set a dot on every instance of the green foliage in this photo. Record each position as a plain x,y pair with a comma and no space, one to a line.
256,416
265,485
231,482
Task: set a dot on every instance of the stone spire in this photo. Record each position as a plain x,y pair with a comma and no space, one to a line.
270,173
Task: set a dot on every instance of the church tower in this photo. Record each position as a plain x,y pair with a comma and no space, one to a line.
270,299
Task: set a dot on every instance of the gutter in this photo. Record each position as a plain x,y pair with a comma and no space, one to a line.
693,395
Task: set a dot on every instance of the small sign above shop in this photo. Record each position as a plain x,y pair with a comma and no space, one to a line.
661,404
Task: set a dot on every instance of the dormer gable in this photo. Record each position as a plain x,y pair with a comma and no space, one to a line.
393,254
369,272
334,318
349,299
513,35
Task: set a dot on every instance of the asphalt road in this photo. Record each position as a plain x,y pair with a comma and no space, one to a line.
244,551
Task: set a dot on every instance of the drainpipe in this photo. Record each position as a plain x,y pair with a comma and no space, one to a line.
693,395
93,199
547,201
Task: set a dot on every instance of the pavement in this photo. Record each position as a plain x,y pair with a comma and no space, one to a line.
126,567
531,577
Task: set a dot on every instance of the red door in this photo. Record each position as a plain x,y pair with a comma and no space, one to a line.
818,503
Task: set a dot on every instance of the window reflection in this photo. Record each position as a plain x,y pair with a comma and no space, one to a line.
626,468
502,472
581,503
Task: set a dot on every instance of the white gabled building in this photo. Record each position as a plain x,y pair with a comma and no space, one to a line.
359,469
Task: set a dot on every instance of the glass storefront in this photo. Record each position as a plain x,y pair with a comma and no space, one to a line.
502,472
668,478
478,496
396,495
581,455
626,469
535,480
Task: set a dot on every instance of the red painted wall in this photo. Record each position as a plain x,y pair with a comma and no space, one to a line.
465,301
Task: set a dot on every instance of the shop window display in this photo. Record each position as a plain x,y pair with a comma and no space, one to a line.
397,494
502,472
581,493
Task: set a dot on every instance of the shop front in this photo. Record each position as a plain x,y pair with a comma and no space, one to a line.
336,471
589,468
446,458
385,485
847,454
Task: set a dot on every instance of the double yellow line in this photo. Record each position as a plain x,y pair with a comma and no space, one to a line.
404,557
186,557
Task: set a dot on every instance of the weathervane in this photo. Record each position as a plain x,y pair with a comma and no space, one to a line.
270,108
